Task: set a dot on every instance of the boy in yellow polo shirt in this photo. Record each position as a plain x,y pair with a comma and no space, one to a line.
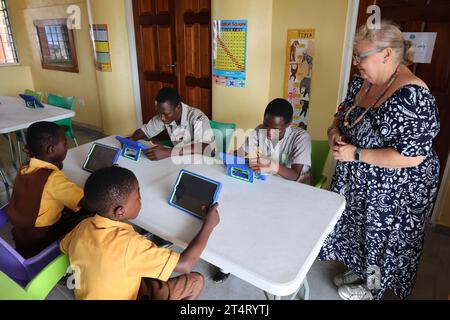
42,192
113,262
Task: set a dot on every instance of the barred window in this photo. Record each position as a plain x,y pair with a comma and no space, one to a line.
56,45
8,52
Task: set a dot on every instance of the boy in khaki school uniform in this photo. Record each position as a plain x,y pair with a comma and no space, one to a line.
45,204
276,147
112,261
188,128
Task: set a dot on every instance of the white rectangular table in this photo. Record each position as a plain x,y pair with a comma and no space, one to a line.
14,115
269,234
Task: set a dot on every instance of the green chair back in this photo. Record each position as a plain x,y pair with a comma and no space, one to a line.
37,95
167,143
223,133
319,155
66,103
40,286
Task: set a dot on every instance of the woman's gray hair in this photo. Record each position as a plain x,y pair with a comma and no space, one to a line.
388,35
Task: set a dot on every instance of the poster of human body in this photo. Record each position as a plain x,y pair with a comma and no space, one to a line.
299,67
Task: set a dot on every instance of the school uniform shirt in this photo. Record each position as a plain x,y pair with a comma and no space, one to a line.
294,148
194,127
59,192
109,259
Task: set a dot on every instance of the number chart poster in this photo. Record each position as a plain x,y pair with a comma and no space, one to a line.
102,51
230,52
299,66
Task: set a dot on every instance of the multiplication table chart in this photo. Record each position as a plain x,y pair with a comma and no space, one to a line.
230,52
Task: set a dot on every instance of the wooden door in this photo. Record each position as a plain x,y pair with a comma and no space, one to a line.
425,16
173,42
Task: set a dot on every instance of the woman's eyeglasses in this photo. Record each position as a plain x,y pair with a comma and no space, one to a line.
360,57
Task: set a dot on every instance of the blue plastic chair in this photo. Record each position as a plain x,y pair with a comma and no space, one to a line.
22,270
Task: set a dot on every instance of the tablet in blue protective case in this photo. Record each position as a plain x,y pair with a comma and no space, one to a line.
101,156
31,102
192,192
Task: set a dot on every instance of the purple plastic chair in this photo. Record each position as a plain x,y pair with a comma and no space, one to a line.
15,266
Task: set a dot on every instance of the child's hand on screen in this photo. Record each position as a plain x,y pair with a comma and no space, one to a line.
212,217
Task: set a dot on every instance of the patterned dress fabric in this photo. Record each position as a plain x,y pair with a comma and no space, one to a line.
381,232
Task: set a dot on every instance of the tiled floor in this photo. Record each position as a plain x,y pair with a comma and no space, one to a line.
433,279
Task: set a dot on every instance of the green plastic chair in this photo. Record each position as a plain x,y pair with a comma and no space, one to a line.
223,132
40,286
167,143
66,103
319,155
37,95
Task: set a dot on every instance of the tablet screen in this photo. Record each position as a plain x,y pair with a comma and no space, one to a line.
100,156
192,193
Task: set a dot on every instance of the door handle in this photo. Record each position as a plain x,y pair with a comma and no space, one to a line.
174,65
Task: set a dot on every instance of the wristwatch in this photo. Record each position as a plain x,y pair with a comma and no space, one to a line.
358,154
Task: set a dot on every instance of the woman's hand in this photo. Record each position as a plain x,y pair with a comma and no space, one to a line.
334,135
343,152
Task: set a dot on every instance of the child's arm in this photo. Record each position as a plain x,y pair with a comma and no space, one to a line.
292,173
138,135
160,152
190,256
271,166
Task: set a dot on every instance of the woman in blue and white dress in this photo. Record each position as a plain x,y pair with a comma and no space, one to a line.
381,138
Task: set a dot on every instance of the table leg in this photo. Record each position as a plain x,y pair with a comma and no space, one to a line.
12,150
305,285
5,182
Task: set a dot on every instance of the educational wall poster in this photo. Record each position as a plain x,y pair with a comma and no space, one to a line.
230,52
299,67
102,50
423,44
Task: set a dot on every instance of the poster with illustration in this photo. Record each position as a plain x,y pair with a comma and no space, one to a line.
299,68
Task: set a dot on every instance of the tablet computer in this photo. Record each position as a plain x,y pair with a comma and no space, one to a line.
101,156
192,193
237,167
31,102
131,149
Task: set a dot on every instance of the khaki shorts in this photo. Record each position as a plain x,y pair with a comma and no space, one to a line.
184,287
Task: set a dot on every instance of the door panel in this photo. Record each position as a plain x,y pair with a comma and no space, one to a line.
156,50
173,41
194,52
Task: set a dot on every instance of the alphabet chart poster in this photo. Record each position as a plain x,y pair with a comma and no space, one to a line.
230,52
299,66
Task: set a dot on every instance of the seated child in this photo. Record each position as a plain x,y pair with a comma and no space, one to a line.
42,192
114,261
277,147
188,127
